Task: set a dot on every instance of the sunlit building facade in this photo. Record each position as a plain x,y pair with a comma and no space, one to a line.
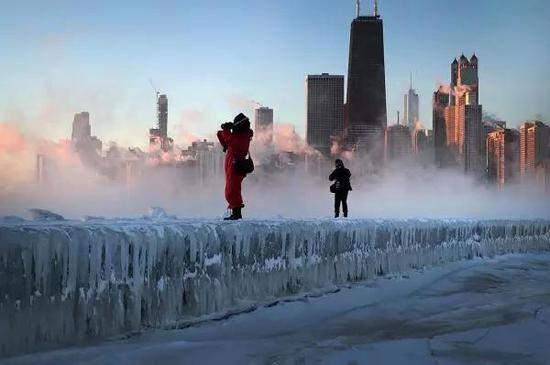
534,147
502,156
463,124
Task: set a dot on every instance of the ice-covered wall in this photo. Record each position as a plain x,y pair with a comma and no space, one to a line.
64,282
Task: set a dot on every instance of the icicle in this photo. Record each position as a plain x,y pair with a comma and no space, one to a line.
68,282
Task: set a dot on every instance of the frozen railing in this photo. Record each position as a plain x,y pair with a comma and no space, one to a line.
63,282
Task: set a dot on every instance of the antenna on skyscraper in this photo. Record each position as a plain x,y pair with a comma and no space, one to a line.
411,81
358,7
154,88
376,8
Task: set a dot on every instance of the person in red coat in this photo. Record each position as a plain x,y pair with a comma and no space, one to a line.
235,139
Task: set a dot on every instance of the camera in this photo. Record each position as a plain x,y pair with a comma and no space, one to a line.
227,125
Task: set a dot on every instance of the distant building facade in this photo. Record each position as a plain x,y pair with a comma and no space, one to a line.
502,156
87,146
410,108
324,111
542,174
205,159
440,103
422,140
398,141
158,137
82,129
463,124
534,147
263,123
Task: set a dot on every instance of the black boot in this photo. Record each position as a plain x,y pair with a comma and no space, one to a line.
235,214
238,213
336,215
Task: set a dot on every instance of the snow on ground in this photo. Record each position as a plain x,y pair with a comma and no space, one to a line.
482,311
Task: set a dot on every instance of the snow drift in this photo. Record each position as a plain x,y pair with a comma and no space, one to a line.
65,282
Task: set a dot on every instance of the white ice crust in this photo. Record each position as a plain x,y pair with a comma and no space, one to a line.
65,282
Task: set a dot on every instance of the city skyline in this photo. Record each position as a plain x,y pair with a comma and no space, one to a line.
53,62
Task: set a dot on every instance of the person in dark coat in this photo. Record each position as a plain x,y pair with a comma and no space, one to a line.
235,139
341,187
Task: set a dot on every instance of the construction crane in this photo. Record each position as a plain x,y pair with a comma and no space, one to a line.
154,88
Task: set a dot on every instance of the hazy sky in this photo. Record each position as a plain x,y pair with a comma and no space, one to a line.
61,57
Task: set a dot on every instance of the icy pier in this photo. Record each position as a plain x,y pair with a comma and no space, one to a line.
66,282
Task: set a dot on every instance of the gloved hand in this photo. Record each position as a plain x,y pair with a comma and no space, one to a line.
227,125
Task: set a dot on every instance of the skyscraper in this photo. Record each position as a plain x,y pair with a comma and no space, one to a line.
410,107
534,147
366,93
162,115
440,102
158,137
263,123
502,156
81,127
471,141
420,140
88,146
325,110
465,137
398,141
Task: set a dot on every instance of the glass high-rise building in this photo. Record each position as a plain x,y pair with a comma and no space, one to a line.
324,111
410,108
366,89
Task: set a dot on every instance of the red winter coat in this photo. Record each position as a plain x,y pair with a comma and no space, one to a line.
237,145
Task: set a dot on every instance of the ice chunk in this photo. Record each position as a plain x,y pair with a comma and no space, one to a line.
159,213
45,215
88,218
12,219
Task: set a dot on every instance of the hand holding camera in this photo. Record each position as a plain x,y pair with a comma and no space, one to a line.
227,125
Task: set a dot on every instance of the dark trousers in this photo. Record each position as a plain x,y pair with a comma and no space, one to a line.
341,197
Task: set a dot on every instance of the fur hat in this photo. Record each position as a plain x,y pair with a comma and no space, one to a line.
240,118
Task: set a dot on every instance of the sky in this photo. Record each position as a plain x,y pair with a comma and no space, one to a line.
212,58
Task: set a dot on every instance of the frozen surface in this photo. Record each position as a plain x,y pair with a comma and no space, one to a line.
67,282
482,311
45,215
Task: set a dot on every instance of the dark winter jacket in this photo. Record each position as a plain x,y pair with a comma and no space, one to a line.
341,175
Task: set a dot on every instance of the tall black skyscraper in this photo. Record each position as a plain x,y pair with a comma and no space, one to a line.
366,94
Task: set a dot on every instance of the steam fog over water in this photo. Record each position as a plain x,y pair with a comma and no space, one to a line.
403,189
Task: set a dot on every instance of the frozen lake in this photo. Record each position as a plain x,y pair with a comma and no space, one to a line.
482,311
